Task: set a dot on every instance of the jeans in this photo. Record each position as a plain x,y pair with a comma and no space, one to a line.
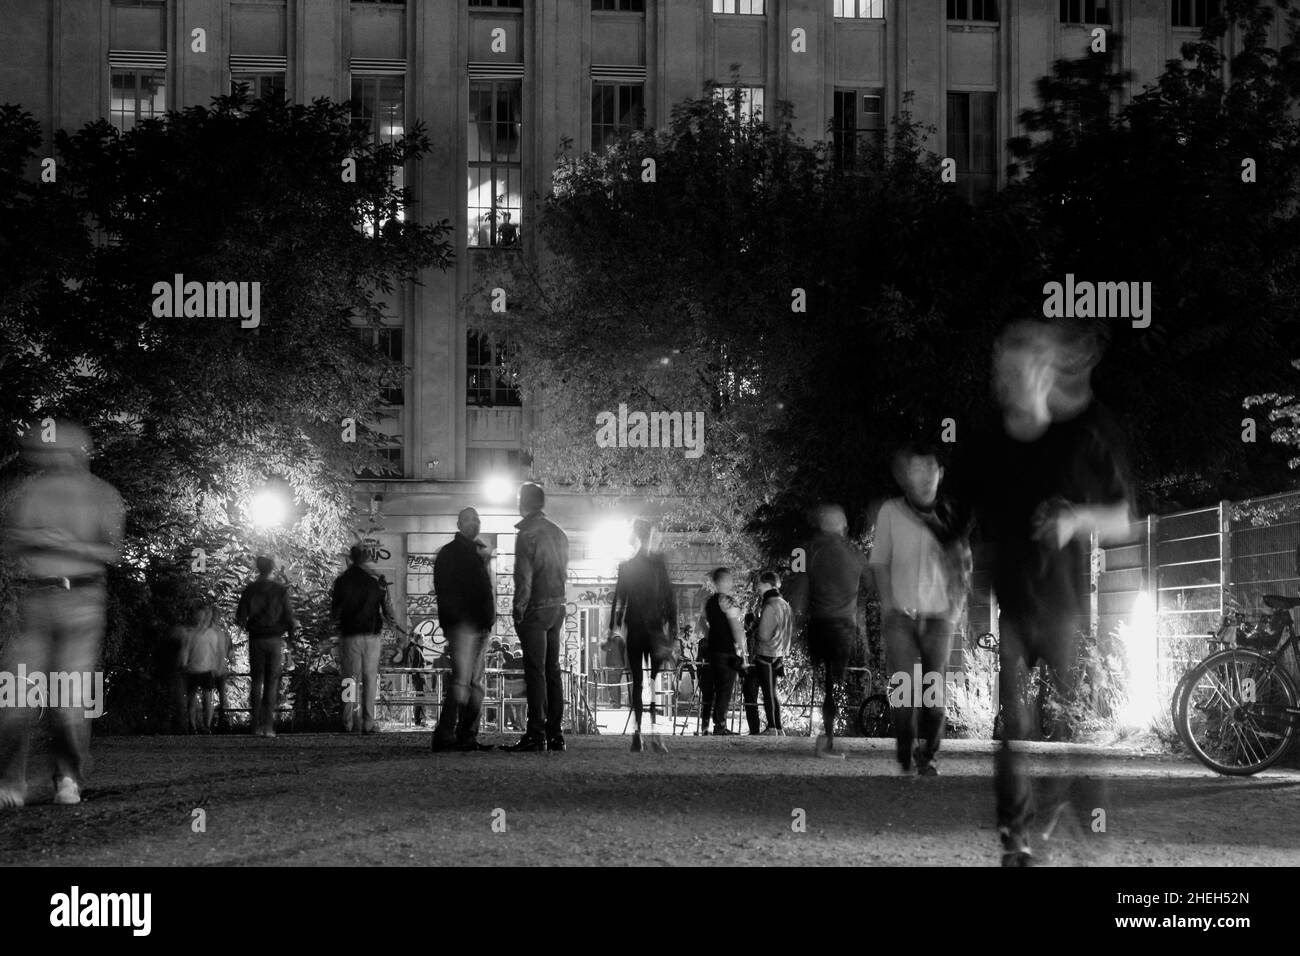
762,675
265,664
539,634
704,674
723,668
58,631
927,640
463,702
360,654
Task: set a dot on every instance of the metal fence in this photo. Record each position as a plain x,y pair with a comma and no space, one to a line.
1191,564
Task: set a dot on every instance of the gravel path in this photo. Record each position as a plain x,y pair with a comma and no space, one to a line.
311,799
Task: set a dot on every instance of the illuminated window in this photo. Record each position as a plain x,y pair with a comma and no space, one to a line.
137,95
860,9
488,379
379,109
857,125
1085,11
750,104
495,162
754,7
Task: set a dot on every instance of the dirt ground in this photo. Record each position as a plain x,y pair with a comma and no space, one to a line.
312,799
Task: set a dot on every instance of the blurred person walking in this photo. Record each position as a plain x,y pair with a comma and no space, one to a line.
921,561
1042,481
62,526
646,608
837,572
204,663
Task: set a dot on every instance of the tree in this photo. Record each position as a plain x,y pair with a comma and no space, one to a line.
1160,190
195,413
721,266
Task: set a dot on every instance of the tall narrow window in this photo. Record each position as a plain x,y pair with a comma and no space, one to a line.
616,110
495,162
972,141
488,380
379,109
137,62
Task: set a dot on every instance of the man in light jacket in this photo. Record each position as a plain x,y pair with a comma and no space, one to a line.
773,634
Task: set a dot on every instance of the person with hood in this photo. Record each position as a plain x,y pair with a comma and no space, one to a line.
360,605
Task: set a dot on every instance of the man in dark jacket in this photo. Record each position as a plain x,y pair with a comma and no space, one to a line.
266,612
466,611
360,605
644,604
541,576
837,572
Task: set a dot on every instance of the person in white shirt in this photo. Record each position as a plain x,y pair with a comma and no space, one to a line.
203,662
921,559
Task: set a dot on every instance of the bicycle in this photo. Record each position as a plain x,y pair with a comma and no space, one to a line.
1238,709
1039,686
1237,622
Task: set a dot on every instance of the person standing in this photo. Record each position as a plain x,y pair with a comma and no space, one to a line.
62,526
541,581
462,584
360,605
204,657
921,559
772,637
837,572
1043,480
722,626
644,605
266,612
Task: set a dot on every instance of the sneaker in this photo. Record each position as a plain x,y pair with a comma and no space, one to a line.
268,733
66,792
526,745
657,744
722,732
925,765
637,746
474,747
703,733
557,744
826,750
10,797
1015,848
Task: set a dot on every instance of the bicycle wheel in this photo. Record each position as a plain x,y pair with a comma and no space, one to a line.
875,718
1176,704
1233,711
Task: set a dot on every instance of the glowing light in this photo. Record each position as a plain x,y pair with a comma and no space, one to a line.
1139,637
498,489
611,540
268,509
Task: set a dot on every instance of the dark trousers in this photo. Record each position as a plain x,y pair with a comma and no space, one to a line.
704,675
462,704
762,675
637,653
927,640
723,669
539,634
265,664
830,644
1025,642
